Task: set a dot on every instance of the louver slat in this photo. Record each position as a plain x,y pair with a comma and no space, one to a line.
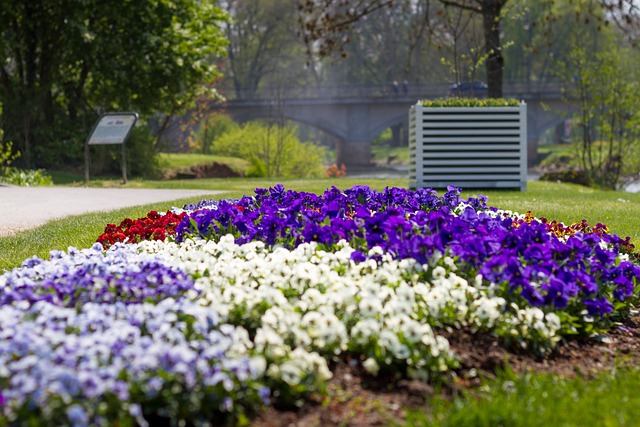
470,147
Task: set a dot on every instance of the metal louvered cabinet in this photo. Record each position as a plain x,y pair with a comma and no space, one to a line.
469,147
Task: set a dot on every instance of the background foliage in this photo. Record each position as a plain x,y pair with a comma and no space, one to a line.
273,150
64,62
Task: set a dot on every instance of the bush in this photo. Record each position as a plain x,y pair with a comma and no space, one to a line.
6,155
211,129
26,177
142,158
273,151
470,102
574,176
15,176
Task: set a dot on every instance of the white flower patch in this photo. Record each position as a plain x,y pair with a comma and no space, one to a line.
315,301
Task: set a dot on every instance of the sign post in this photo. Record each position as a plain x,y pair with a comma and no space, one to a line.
111,128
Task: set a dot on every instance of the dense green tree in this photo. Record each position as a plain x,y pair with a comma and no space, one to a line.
64,61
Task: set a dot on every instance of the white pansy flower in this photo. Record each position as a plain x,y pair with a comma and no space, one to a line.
364,330
370,307
438,273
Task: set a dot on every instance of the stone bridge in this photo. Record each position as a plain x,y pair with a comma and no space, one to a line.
355,115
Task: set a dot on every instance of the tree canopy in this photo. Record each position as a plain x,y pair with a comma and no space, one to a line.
328,24
62,62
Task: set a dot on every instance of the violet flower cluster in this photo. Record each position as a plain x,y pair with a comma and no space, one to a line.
119,364
587,271
83,276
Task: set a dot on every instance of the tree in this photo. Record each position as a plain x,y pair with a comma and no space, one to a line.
606,83
387,46
457,32
329,22
63,61
491,12
263,46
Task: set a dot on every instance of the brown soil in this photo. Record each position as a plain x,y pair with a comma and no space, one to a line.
209,170
357,399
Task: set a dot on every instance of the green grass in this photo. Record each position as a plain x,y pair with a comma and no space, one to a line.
79,231
557,156
247,185
82,231
609,399
384,154
570,202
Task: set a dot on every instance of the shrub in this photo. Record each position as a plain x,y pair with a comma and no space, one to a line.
574,176
274,151
470,102
15,176
142,158
6,155
211,129
26,177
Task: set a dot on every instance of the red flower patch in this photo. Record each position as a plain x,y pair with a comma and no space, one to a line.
154,226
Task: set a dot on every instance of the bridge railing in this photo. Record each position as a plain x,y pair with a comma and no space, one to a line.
522,90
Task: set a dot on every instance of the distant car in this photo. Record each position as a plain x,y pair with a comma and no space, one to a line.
469,90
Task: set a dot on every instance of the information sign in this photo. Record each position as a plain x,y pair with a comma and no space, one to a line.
111,128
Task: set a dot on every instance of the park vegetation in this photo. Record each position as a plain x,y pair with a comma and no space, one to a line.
64,63
187,54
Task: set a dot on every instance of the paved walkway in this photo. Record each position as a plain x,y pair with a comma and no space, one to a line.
22,208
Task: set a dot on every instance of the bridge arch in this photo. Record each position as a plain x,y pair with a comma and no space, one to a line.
354,116
257,115
398,120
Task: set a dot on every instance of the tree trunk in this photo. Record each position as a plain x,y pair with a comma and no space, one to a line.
491,10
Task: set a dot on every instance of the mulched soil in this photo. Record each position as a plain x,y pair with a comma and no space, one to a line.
209,170
356,399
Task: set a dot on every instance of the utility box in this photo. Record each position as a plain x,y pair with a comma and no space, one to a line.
469,147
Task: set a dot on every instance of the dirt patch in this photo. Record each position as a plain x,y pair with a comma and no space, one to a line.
357,399
209,170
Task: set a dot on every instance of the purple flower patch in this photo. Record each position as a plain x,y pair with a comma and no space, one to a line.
544,263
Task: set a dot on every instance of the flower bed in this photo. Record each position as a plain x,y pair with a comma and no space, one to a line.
218,308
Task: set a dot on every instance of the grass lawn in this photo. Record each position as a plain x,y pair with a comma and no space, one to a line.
563,202
540,400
